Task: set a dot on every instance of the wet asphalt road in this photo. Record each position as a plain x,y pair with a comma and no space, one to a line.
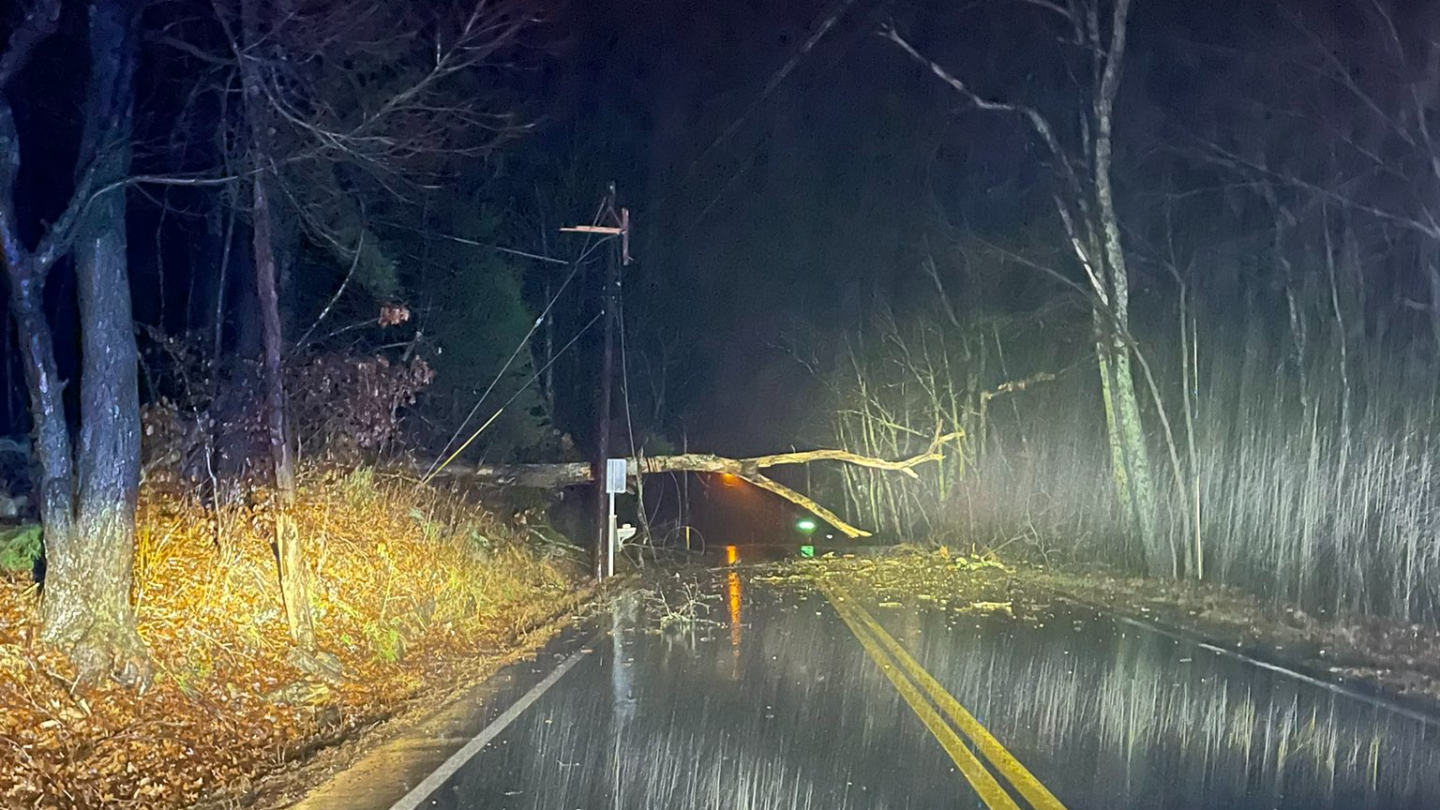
779,705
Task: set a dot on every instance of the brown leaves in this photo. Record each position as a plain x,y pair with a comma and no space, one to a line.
348,401
229,703
394,314
965,583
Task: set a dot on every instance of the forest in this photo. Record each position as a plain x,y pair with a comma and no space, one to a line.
1113,285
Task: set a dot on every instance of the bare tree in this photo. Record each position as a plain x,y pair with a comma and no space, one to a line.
1085,204
339,101
89,524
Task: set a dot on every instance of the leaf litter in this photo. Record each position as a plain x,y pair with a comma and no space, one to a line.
414,588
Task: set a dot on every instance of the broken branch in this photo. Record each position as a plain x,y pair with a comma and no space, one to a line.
551,476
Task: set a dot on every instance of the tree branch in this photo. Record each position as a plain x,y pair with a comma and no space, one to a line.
1031,115
37,25
800,500
1054,7
1036,121
551,476
11,248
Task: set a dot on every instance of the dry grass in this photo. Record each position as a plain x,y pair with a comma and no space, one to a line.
411,587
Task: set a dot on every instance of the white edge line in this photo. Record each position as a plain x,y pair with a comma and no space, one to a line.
440,775
1377,701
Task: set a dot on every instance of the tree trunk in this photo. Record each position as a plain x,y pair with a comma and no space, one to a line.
553,476
1119,478
289,549
1122,381
51,436
86,606
88,591
1137,461
26,276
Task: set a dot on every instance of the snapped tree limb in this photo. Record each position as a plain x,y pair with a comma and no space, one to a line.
550,476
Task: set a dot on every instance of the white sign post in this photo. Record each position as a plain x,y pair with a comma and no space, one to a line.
614,484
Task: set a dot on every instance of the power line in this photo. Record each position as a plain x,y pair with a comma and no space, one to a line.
588,248
431,474
474,242
774,83
776,79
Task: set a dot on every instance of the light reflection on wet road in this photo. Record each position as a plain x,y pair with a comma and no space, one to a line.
778,706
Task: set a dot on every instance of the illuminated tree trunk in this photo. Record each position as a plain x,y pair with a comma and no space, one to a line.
289,548
87,599
1122,400
25,270
86,609
1120,480
1133,482
47,418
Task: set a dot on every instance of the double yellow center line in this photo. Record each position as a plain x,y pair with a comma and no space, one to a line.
944,716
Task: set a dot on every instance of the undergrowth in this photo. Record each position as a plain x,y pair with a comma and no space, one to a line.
19,548
412,587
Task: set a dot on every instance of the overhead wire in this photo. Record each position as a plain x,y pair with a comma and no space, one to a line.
431,474
450,237
590,245
771,85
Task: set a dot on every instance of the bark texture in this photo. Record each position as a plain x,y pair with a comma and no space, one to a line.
289,548
89,540
47,405
87,600
1131,431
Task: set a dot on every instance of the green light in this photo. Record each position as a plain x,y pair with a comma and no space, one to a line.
807,552
805,525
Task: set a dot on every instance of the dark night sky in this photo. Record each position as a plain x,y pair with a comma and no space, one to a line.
767,215
818,204
767,221
815,200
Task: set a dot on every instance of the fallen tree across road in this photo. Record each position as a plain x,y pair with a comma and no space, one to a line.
553,476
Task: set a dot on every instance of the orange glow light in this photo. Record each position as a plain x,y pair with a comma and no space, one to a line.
731,555
730,479
734,585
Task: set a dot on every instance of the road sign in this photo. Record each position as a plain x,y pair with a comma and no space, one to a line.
614,476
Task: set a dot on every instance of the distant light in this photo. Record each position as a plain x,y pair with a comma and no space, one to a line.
805,525
730,479
807,551
731,555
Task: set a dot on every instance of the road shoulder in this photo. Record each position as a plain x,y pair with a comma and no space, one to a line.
1390,660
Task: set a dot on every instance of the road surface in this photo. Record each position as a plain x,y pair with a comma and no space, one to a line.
794,700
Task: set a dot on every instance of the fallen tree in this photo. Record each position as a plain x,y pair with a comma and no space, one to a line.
552,476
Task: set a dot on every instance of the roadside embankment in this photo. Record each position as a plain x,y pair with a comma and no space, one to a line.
415,589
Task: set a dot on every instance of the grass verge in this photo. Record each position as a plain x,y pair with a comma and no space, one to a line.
414,588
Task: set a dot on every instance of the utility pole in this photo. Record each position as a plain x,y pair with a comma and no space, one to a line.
602,448
613,222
